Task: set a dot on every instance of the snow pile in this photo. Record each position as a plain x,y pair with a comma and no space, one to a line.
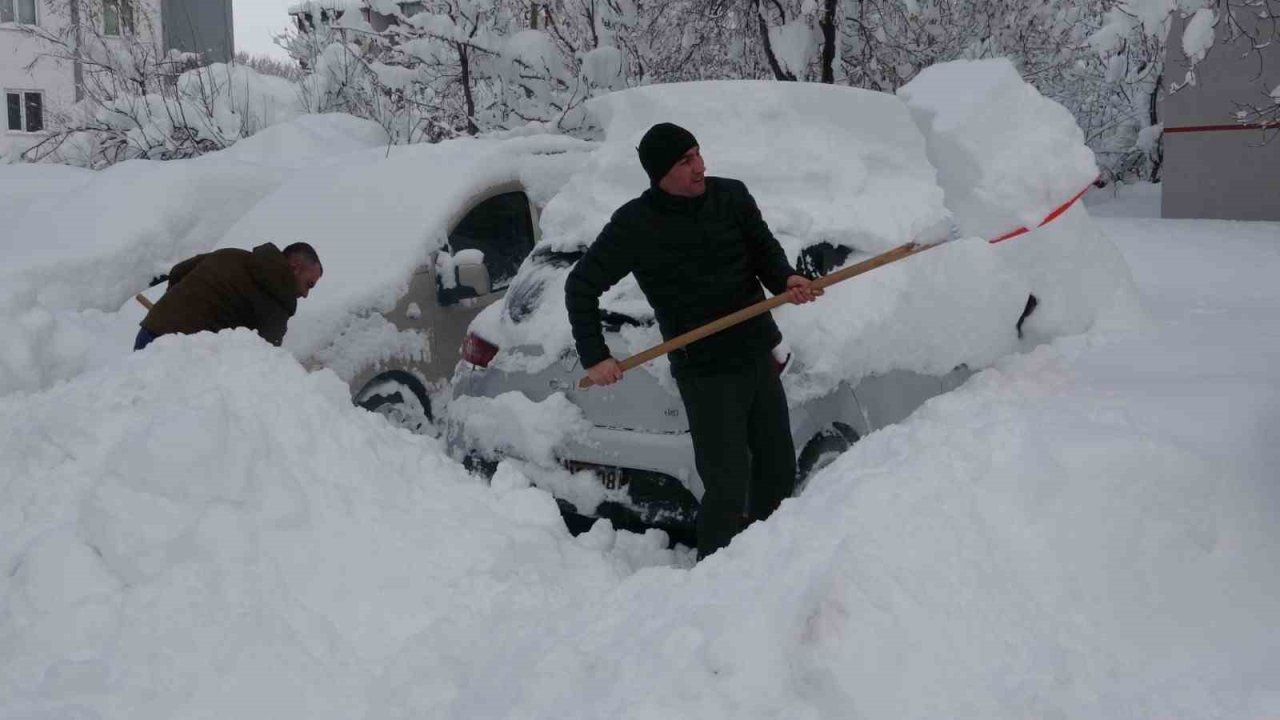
1033,545
205,528
955,304
22,185
1006,155
512,424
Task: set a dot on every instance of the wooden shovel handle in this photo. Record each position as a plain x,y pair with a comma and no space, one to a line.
761,307
143,301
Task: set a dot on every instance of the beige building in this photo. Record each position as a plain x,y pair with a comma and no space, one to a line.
37,86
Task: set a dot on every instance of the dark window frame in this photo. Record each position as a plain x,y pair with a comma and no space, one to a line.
11,12
123,14
29,102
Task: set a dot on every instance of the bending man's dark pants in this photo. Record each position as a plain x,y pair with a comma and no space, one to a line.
144,339
742,447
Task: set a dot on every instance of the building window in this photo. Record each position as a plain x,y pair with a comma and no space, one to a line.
25,110
19,11
117,17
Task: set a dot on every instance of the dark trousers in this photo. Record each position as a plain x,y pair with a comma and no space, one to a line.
742,447
144,339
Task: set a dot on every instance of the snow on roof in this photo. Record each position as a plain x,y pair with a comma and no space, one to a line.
823,162
313,6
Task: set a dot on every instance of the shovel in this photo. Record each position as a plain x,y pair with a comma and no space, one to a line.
746,313
764,306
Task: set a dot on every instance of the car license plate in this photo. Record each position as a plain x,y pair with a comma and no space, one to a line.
611,477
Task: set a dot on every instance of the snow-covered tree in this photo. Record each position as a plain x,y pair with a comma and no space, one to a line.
1134,34
138,100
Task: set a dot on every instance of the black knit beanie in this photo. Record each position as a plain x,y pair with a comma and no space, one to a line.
661,147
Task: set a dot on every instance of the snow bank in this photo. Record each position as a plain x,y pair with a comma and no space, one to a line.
205,528
1032,545
512,424
22,186
1006,155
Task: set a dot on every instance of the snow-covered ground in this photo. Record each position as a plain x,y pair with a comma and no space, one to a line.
1089,530
1086,530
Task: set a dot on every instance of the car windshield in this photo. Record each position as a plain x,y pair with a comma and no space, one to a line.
530,284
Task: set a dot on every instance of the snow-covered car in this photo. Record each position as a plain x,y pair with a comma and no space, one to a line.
840,175
415,242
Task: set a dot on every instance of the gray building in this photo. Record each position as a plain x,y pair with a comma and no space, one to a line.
1216,166
200,26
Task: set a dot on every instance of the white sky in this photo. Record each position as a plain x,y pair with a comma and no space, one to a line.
256,21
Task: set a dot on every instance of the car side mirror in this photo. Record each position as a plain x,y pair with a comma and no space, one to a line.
461,275
472,273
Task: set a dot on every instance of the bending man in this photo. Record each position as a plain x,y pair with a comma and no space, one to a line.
232,288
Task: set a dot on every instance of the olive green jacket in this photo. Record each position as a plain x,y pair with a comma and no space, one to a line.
227,289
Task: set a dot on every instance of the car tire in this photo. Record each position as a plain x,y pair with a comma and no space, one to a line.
401,398
821,450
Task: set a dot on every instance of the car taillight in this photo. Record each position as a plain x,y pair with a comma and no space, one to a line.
478,351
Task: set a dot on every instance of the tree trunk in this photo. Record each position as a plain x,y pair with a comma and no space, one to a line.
464,60
1157,156
77,68
828,26
778,72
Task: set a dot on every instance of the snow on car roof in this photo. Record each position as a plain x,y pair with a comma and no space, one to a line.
377,219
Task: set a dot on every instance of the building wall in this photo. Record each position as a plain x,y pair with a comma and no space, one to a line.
200,26
25,65
1223,173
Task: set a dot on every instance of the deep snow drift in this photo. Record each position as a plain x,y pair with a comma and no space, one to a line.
1087,531
208,530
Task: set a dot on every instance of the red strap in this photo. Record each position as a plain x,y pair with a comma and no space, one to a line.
1048,218
1274,125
